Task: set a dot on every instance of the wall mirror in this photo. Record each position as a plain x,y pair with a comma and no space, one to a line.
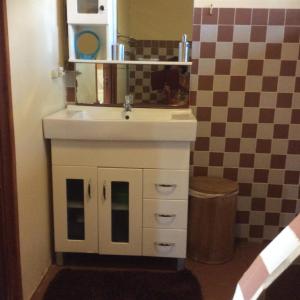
150,30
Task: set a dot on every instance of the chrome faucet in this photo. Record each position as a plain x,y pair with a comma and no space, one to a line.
128,103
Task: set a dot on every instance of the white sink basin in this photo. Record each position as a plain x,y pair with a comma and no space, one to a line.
111,123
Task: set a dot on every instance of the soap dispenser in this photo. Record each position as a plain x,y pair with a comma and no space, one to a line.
183,50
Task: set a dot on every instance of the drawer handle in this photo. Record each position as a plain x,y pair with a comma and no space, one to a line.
165,216
164,219
165,188
166,185
164,244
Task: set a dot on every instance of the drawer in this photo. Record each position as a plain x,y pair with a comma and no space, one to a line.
165,184
165,213
164,242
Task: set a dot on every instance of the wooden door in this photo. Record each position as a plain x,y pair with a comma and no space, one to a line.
10,266
110,83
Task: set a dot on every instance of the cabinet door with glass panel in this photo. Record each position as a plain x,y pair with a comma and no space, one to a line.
88,11
120,211
75,209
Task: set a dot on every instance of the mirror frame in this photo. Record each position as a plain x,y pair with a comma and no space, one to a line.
171,106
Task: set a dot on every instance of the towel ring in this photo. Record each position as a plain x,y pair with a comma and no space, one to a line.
87,55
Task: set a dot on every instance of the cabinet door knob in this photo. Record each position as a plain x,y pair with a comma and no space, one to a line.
104,190
89,189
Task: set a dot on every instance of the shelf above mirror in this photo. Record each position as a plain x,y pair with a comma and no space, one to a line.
131,62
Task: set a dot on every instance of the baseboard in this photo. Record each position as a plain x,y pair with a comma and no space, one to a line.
41,280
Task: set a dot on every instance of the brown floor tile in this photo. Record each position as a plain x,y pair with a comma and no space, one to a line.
218,282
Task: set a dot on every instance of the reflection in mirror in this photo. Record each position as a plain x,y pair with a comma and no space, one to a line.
153,29
86,90
148,84
87,6
150,30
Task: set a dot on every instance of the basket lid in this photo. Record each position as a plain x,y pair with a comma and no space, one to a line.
213,185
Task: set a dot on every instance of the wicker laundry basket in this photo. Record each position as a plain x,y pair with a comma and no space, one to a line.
212,211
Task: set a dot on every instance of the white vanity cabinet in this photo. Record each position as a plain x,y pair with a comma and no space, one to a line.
121,198
97,210
165,195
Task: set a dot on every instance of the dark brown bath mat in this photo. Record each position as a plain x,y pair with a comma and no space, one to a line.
123,285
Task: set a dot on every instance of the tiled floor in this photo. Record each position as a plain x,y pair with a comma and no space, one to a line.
217,281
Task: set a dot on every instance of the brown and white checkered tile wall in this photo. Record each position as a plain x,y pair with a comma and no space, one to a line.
140,75
245,91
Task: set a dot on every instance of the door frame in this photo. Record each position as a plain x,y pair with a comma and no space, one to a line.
10,265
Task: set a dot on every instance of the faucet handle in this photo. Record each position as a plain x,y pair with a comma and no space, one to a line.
129,99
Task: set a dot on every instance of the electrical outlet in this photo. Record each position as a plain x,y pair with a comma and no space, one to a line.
58,72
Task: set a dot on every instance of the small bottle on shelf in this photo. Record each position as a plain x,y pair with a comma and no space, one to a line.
183,50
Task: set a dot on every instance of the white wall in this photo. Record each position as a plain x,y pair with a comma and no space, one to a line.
123,8
249,3
34,51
